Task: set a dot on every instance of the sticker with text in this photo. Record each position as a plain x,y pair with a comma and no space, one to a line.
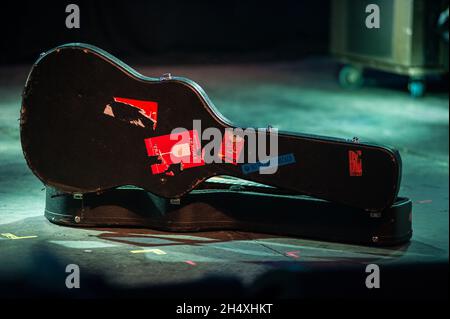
355,163
182,148
281,160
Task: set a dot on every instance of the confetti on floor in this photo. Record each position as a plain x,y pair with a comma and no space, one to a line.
155,251
426,201
293,254
82,244
12,236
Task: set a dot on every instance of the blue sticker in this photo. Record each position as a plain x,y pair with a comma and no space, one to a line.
285,159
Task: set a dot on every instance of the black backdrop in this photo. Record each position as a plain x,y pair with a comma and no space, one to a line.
169,30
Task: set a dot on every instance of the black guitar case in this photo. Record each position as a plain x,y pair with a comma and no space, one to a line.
229,204
90,123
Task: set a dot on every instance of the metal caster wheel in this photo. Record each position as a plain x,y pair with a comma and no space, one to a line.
416,88
351,77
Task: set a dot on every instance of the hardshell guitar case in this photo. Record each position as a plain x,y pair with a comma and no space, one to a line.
91,125
229,204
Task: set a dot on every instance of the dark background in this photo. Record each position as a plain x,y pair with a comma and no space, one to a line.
169,31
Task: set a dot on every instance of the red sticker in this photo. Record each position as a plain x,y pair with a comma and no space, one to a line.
182,148
231,147
147,108
355,162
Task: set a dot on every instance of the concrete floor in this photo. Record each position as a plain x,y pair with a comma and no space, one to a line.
296,96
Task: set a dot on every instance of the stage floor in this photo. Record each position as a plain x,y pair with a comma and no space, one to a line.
294,96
